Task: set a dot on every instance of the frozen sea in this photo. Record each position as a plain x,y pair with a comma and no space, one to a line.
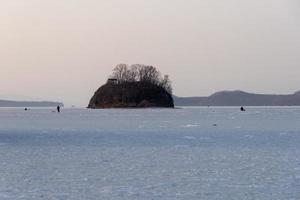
153,154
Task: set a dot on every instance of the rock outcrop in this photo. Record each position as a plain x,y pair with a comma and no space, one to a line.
131,95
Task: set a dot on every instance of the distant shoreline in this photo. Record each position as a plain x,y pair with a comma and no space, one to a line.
239,98
16,104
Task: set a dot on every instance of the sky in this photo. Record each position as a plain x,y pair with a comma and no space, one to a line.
65,49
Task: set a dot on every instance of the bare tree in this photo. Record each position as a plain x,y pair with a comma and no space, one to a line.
133,73
148,74
167,84
141,73
120,72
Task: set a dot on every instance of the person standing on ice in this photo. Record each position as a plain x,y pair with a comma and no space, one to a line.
58,108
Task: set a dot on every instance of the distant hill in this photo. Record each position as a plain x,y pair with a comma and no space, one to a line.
239,98
7,103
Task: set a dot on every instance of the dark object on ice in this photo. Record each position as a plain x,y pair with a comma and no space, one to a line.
243,109
215,124
26,109
58,108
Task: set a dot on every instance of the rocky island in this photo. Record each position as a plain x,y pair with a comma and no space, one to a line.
137,86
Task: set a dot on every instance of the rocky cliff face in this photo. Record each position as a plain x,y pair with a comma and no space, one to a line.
131,95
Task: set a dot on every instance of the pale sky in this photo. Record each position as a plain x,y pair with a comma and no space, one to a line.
65,49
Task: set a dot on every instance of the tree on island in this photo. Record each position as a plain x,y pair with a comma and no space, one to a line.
143,74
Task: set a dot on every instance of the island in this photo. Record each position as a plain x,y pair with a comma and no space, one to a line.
136,86
240,98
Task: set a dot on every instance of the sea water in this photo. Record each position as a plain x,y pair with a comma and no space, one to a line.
164,154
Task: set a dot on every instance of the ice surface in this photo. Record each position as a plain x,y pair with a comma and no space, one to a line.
150,154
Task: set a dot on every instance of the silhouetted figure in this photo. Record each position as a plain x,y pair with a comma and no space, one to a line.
58,108
243,109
